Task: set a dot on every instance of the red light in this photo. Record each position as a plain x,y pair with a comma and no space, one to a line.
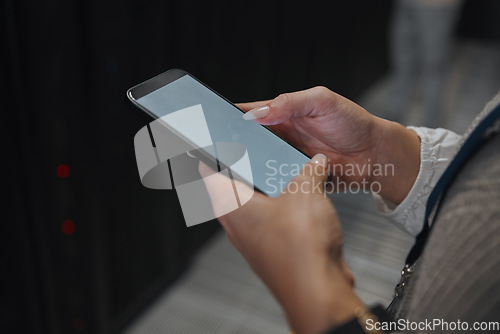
78,324
68,227
63,171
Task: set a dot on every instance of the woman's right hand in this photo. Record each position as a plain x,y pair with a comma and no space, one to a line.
355,142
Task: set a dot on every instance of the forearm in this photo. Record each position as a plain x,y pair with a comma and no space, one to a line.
396,160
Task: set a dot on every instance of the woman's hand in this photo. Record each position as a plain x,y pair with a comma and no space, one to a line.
318,120
361,149
294,244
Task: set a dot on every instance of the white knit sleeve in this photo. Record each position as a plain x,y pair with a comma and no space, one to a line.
437,148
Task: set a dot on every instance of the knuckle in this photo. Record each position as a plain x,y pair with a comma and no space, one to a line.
283,98
321,90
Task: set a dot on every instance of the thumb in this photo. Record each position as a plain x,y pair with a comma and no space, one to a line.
226,194
312,178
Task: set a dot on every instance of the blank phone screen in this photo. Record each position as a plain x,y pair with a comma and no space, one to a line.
273,162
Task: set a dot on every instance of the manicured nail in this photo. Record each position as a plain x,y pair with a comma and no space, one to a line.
320,159
256,113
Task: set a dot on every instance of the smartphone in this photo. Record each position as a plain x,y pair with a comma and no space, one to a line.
273,161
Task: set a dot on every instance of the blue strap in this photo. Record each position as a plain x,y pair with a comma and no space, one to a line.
471,145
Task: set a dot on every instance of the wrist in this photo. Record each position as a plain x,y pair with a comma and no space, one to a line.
396,160
342,305
329,300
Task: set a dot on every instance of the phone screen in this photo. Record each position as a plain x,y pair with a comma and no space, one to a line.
273,161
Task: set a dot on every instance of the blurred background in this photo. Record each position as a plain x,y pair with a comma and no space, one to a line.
87,249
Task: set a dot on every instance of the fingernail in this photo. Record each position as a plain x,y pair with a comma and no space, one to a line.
320,159
256,113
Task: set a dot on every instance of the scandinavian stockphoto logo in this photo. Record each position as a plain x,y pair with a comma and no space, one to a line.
168,151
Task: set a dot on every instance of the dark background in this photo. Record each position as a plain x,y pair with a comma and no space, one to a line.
66,68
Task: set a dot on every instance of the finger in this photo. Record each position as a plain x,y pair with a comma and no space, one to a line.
226,194
290,105
348,273
246,106
312,177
